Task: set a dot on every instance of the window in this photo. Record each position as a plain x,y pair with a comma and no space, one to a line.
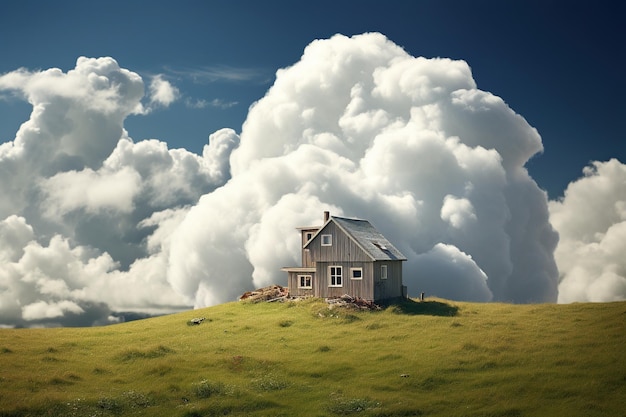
305,281
334,274
356,273
383,272
309,235
327,240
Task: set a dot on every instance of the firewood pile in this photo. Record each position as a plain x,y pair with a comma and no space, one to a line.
268,294
352,302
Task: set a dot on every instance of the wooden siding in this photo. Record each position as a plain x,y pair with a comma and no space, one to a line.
342,248
355,287
294,284
307,259
390,287
295,290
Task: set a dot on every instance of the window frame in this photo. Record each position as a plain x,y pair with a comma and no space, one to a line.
330,240
384,272
335,280
352,270
305,276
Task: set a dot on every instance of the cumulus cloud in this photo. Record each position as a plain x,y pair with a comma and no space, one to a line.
591,221
79,240
361,127
100,224
457,275
162,92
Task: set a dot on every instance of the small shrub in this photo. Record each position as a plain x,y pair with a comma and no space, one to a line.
285,323
137,399
205,389
323,348
344,406
5,349
109,404
269,383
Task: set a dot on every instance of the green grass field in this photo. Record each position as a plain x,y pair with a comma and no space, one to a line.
431,358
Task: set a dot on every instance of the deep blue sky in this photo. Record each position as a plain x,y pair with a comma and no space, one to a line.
557,63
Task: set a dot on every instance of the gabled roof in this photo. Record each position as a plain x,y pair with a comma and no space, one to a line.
373,243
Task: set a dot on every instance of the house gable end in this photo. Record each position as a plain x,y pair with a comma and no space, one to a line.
342,245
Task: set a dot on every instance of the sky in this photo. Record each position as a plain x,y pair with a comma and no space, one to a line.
158,156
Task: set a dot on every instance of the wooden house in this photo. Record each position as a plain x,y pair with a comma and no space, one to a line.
346,256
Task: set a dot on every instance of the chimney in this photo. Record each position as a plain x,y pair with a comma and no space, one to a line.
326,216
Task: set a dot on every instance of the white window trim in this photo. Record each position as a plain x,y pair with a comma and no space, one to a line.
352,273
305,287
384,272
340,276
330,240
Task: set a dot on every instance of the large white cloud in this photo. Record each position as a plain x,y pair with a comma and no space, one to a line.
85,195
362,127
100,224
591,220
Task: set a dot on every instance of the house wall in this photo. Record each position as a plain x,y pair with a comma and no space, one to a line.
390,287
362,288
294,290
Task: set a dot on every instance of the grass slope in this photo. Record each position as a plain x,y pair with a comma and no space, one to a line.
431,358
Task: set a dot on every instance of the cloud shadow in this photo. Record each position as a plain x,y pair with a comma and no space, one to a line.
424,308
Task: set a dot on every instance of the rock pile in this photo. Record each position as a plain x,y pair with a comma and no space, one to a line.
269,294
352,302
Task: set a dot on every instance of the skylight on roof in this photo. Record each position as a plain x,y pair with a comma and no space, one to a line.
379,245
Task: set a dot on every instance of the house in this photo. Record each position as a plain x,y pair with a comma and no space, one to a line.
346,256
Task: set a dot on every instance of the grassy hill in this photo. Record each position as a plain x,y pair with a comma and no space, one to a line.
430,358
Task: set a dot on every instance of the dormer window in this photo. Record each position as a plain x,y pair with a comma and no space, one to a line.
327,240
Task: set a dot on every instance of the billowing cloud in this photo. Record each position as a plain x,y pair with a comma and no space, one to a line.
83,232
457,274
591,221
361,127
100,224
